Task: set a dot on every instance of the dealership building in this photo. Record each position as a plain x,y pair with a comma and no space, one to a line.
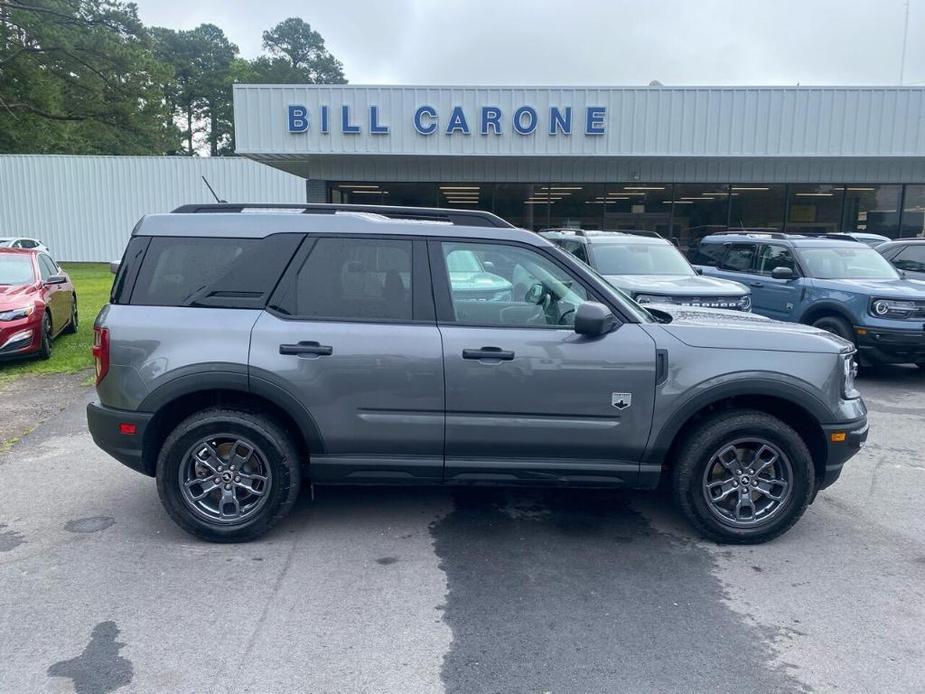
679,161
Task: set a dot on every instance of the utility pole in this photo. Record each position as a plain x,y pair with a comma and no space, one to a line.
902,60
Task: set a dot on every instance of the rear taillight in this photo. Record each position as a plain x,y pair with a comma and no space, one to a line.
101,352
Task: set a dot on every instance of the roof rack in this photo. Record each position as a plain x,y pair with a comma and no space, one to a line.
594,232
472,218
784,235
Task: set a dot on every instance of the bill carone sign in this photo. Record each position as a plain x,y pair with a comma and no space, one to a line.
428,120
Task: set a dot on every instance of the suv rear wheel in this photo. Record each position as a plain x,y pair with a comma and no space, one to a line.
228,475
743,478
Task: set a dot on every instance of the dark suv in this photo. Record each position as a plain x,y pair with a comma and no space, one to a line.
241,354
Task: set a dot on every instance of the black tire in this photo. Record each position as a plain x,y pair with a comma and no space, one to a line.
45,346
700,451
836,325
275,451
72,324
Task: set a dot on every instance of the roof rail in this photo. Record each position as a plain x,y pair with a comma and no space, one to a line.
753,232
472,218
593,232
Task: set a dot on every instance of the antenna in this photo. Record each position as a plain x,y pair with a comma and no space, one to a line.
902,60
217,199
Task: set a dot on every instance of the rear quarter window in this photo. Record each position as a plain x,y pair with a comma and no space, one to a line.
212,272
707,254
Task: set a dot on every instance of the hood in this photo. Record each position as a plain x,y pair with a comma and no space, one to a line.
719,329
677,285
887,289
14,295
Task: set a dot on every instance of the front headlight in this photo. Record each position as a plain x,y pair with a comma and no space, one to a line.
745,303
16,313
890,308
653,299
849,374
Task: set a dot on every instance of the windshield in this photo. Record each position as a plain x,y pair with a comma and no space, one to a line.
839,263
640,259
618,295
16,269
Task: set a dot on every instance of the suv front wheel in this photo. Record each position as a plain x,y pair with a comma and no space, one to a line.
227,475
743,477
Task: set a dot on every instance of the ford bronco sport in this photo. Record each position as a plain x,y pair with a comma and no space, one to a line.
242,355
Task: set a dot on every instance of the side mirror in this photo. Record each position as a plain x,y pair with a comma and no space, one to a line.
535,294
56,279
114,267
782,273
698,270
594,319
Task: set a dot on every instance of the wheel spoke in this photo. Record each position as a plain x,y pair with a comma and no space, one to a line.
241,454
745,507
767,488
229,500
726,488
760,463
207,486
729,459
250,489
207,456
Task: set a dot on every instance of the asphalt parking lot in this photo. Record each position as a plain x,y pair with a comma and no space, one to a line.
461,591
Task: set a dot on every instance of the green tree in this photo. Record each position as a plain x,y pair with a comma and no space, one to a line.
79,76
297,55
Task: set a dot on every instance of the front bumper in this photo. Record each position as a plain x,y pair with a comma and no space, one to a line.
890,345
105,426
20,337
843,441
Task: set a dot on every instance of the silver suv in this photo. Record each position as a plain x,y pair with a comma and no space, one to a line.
242,355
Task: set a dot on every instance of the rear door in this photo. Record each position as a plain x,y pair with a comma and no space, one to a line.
527,398
778,297
350,335
738,263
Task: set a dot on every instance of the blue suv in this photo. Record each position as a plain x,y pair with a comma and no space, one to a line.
832,282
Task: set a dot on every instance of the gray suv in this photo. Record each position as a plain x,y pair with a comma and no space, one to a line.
649,268
242,355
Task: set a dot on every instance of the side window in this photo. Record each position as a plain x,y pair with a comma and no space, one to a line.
773,256
708,254
355,279
911,258
576,248
46,267
498,284
212,272
739,257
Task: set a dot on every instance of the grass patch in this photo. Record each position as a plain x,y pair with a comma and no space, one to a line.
71,353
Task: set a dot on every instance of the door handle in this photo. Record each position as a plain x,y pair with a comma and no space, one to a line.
306,347
488,353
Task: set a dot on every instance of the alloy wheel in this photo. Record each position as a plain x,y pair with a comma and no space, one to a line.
225,479
747,482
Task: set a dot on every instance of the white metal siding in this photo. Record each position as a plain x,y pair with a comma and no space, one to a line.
84,207
648,121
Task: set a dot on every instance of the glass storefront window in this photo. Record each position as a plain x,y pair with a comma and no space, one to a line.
417,194
576,205
522,204
475,196
699,210
645,206
914,212
815,209
756,206
872,209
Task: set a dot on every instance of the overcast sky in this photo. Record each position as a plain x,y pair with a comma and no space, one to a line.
575,42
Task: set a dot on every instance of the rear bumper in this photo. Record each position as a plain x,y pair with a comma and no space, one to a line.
105,428
840,448
890,346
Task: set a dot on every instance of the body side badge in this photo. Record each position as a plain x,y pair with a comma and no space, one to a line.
621,400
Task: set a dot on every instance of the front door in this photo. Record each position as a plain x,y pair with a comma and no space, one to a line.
527,398
350,335
778,298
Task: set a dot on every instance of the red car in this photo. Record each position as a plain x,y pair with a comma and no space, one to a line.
37,302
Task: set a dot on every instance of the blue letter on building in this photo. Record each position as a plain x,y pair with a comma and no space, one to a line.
457,122
298,119
521,127
491,117
345,126
374,127
324,120
594,125
560,121
420,126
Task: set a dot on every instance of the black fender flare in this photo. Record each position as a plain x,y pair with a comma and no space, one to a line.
744,385
826,307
